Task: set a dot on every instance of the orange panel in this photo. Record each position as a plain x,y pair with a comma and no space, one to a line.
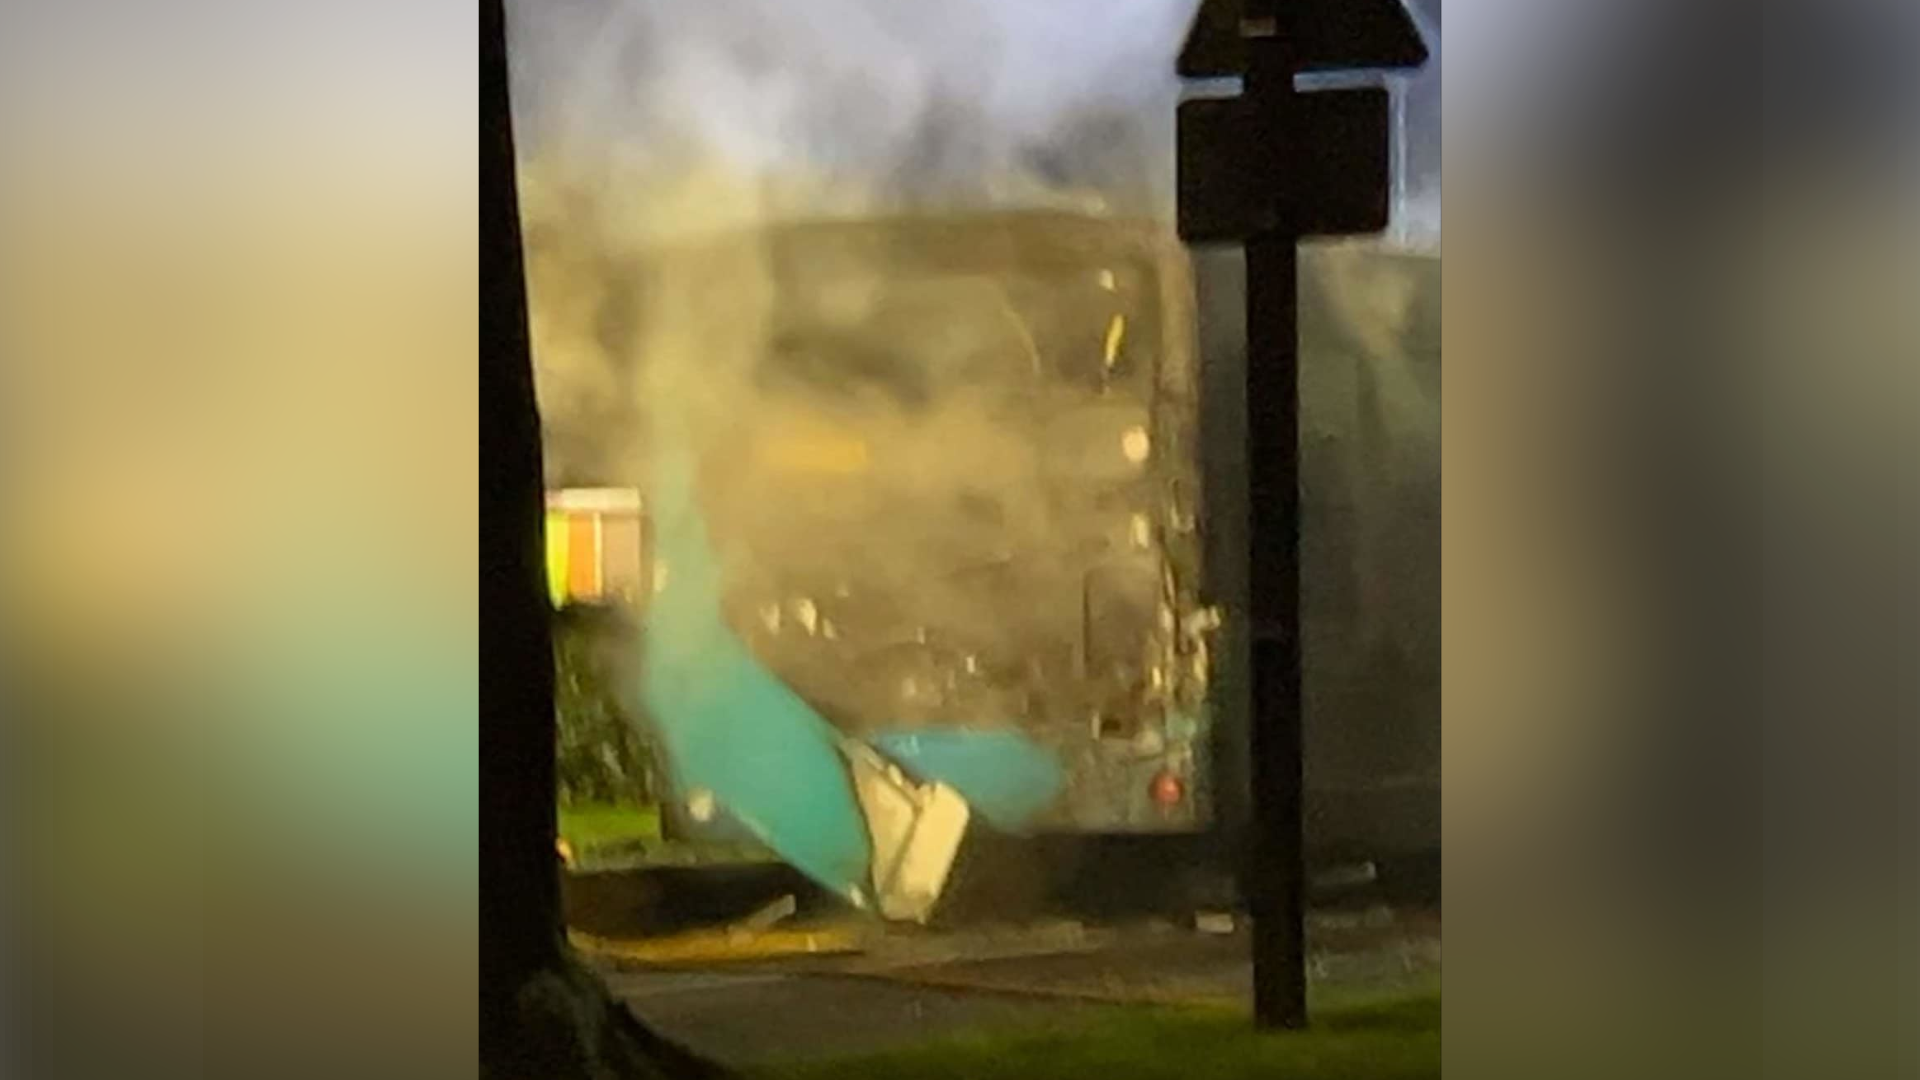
583,558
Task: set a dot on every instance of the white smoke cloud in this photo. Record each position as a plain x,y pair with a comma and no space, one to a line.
650,123
906,101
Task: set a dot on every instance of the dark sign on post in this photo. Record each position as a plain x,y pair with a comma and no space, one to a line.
1267,168
1333,35
1342,187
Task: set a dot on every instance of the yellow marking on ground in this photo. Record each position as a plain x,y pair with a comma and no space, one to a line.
718,946
1116,331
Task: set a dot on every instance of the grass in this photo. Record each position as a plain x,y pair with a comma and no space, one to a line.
607,836
593,825
1394,1038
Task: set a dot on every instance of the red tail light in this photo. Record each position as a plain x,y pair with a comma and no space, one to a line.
1167,789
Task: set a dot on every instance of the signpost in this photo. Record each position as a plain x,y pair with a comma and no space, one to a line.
1267,168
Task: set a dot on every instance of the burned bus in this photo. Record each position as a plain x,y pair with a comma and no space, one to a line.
934,533
935,509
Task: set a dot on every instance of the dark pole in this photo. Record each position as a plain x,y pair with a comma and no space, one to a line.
1268,168
1277,893
519,874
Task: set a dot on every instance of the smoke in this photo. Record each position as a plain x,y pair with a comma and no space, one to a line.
901,279
652,125
1370,400
903,426
843,104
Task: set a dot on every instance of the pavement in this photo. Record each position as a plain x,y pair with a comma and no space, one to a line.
751,1019
883,988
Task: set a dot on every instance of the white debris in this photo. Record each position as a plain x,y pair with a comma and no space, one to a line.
1203,621
1213,922
1141,528
766,917
916,831
808,614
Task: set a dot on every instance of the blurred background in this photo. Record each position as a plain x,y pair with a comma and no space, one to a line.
237,617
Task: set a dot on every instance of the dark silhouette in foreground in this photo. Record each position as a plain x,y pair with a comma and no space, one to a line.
542,1016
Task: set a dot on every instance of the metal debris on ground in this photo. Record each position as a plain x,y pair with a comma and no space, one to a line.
765,917
700,947
1347,877
1214,922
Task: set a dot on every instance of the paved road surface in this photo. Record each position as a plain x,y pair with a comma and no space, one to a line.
746,1019
907,988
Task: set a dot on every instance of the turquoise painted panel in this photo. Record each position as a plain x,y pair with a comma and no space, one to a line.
727,723
1004,775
